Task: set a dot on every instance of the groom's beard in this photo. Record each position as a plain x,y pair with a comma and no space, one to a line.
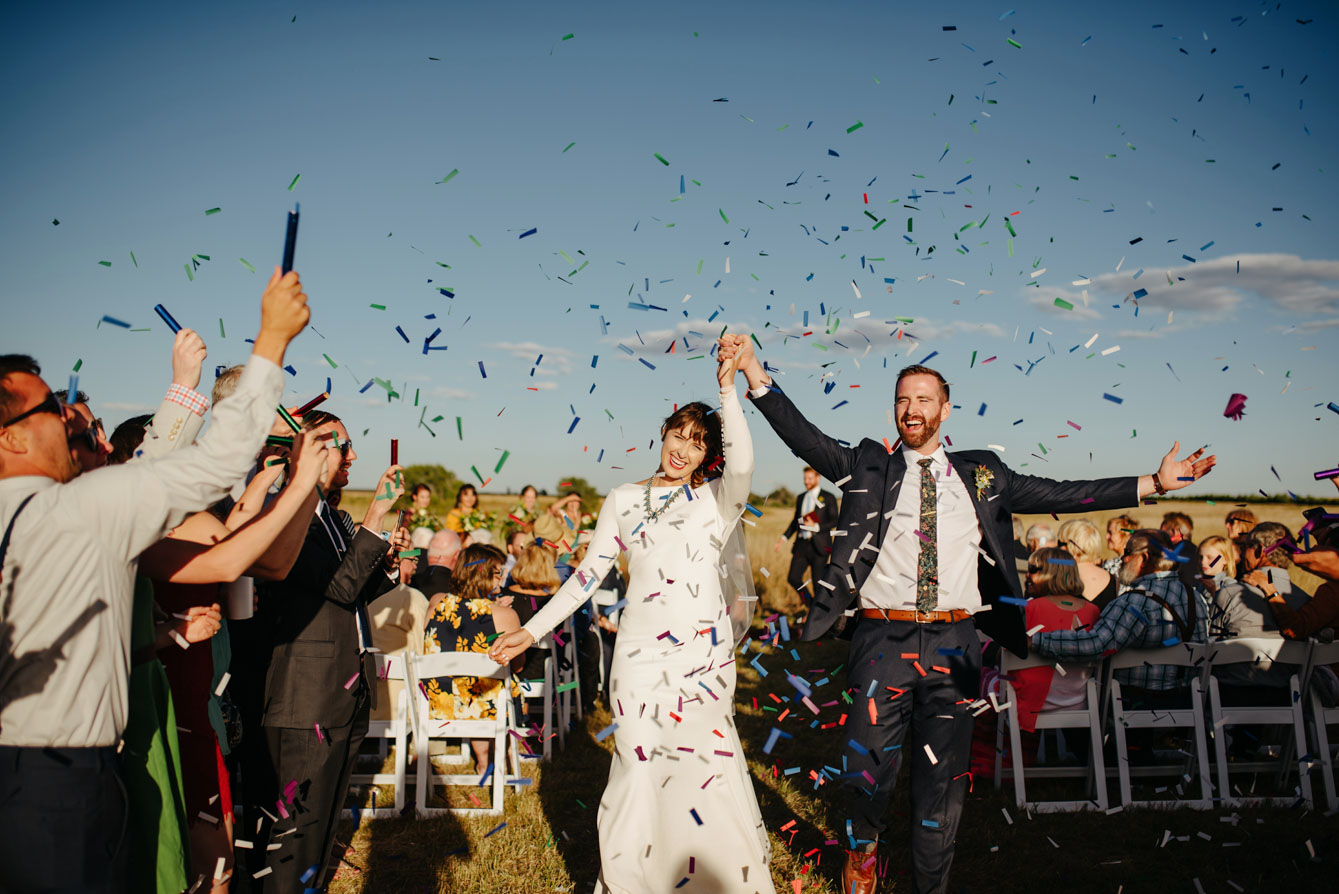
921,436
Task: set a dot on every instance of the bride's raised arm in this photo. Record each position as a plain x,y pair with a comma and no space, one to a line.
736,479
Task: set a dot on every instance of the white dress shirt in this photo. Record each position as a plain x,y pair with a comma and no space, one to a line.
892,583
69,572
808,505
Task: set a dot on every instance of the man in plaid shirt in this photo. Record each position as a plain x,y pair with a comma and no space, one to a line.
1136,619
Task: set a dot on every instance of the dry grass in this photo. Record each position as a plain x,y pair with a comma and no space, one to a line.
549,842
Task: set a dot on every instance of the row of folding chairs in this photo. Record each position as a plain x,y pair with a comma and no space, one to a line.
1205,716
558,692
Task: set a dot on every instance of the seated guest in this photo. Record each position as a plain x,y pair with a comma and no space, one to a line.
467,498
1238,523
1081,539
465,620
1055,603
1038,536
1181,529
1119,529
434,578
533,581
1217,563
1155,609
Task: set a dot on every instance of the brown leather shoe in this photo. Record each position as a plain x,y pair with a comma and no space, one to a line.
858,875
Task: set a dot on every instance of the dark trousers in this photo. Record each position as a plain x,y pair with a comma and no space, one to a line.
931,713
322,767
62,821
805,556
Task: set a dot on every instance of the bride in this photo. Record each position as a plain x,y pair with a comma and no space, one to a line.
679,808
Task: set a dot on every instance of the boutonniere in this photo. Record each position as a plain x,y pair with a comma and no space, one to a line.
984,478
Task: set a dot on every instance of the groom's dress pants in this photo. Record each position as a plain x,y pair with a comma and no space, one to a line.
928,726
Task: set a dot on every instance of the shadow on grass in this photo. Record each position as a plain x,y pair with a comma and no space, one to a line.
573,783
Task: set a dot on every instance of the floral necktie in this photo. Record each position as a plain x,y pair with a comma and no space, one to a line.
927,565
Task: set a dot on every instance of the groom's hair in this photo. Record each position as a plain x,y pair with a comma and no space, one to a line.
918,370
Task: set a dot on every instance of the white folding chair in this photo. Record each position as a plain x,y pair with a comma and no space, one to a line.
1261,652
544,689
1188,655
396,729
1323,654
1087,718
461,664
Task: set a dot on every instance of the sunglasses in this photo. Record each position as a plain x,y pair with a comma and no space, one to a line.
344,447
51,405
88,437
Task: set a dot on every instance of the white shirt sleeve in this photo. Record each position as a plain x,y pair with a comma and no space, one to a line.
130,507
600,557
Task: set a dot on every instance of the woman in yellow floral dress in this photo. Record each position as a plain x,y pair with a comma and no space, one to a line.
465,620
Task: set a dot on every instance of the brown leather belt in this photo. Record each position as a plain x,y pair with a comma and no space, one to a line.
882,614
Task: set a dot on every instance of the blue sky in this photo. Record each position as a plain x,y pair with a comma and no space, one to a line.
1113,140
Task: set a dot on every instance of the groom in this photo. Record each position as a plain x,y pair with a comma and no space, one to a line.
922,555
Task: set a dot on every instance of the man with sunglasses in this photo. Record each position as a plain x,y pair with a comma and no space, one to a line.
67,560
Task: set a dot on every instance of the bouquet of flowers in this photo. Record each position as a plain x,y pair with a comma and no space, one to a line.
477,519
422,518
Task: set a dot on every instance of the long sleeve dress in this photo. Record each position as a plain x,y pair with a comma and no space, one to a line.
679,805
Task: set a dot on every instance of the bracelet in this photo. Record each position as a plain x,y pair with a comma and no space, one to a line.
1157,485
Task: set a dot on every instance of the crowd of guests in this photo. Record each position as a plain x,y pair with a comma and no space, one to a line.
190,621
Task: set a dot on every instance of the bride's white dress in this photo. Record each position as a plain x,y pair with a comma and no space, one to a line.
679,806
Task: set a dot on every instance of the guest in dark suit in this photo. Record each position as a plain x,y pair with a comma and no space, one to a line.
926,551
318,689
813,542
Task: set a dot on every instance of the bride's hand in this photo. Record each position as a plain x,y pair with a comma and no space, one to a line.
732,353
505,648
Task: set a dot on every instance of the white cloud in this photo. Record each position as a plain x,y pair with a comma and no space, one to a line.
557,360
449,393
1213,289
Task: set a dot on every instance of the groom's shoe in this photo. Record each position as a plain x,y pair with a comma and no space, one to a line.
858,875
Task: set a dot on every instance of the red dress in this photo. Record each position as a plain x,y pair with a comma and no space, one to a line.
191,675
1034,685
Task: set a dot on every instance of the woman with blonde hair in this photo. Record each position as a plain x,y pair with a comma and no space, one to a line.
533,580
1217,563
1083,542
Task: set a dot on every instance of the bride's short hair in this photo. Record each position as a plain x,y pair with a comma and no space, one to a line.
704,424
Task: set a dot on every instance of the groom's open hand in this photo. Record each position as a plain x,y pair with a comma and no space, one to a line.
1175,474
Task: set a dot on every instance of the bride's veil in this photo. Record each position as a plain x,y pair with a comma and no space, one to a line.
737,582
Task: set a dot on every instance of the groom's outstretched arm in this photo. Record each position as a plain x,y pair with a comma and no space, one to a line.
830,459
1029,493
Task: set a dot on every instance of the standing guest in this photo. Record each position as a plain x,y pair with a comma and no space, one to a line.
815,517
89,443
1038,536
554,525
421,512
65,671
1055,602
1081,539
524,513
919,594
435,577
318,688
465,620
1119,529
466,499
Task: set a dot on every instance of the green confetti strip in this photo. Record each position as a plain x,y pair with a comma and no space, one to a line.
378,307
1013,43
247,264
498,467
476,242
568,36
333,364
699,265
189,274
460,430
133,261
294,183
854,127
105,263
723,217
569,145
1063,304
660,158
223,333
78,363
212,211
447,178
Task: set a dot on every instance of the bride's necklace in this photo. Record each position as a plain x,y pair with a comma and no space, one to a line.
652,515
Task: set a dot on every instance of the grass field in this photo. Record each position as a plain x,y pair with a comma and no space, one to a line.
549,842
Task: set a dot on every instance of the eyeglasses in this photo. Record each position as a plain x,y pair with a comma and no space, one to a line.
51,405
88,437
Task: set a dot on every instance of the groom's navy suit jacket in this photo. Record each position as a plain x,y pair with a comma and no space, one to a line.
870,476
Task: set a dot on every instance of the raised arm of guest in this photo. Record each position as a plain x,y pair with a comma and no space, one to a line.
181,415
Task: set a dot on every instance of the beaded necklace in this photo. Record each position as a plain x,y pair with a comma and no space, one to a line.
652,515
